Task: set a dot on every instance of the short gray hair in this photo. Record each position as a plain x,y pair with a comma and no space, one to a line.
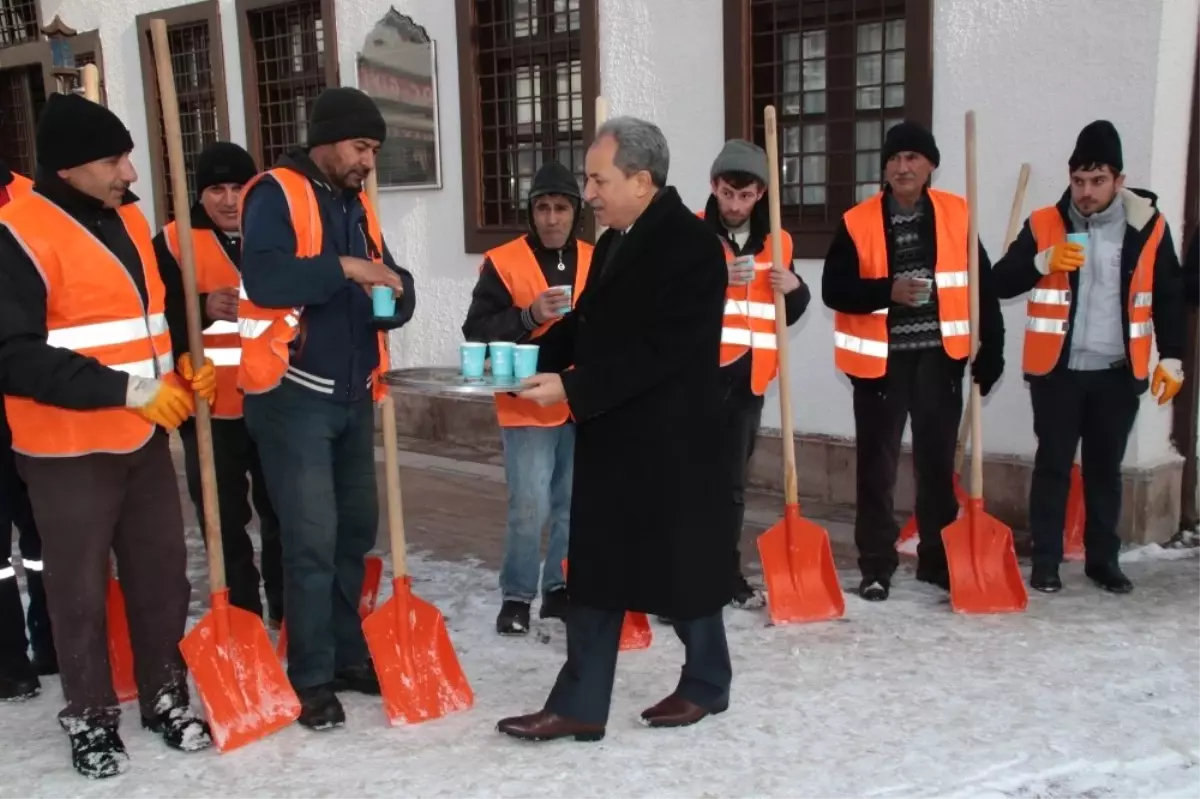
641,145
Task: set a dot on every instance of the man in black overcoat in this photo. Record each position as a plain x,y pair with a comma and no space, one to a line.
637,363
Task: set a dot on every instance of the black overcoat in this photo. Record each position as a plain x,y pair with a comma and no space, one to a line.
651,511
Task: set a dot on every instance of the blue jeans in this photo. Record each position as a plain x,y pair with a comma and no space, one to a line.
538,465
318,458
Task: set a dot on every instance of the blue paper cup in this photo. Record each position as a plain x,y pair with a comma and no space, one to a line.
383,299
525,358
472,354
501,353
1081,239
566,292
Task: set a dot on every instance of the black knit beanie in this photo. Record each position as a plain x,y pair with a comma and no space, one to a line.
73,131
911,137
345,113
1098,145
223,162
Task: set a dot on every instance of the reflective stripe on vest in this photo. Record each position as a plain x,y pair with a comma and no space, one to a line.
860,341
1048,310
267,332
749,324
518,269
222,344
97,312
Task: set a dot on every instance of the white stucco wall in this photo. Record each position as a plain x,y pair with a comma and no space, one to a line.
1031,85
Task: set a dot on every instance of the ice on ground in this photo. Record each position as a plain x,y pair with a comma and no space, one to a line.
1085,694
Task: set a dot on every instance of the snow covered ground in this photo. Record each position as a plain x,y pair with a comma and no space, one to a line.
1086,694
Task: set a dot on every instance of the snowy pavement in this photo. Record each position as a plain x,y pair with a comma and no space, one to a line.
1086,694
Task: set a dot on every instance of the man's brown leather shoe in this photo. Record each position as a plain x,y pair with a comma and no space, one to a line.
547,726
675,711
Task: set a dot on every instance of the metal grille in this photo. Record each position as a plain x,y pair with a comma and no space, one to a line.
16,126
530,78
191,63
289,69
834,70
18,22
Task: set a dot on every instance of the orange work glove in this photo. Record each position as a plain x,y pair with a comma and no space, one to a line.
1065,257
1168,380
171,405
203,382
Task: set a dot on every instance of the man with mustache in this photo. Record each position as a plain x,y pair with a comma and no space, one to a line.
91,390
896,277
221,171
313,357
1093,309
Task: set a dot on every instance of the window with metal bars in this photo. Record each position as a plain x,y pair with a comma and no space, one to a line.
292,60
528,81
21,97
840,73
18,22
192,37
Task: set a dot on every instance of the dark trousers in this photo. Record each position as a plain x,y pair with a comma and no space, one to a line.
16,510
925,385
583,690
1099,408
86,508
743,415
318,456
239,477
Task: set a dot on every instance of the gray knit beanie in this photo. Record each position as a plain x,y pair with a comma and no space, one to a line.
739,155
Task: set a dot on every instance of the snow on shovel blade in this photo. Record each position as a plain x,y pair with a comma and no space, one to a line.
244,689
120,652
984,575
419,673
1076,515
802,582
372,575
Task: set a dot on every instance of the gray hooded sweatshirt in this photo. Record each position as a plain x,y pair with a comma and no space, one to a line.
1098,340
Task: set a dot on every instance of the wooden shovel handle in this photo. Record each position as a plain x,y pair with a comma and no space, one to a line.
973,281
187,264
89,76
791,493
391,470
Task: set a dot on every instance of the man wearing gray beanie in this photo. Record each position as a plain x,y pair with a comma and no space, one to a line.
737,213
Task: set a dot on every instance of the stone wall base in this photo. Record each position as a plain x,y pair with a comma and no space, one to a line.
826,467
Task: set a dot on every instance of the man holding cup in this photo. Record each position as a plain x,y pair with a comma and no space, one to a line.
525,287
896,276
1104,280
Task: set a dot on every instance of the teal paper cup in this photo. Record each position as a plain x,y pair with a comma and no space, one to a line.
525,358
502,358
383,299
1082,240
472,354
566,291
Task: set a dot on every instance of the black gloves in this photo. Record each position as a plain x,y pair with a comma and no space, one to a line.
987,367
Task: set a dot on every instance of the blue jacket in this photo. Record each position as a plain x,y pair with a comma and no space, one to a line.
336,349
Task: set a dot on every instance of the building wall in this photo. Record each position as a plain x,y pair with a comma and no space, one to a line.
1034,71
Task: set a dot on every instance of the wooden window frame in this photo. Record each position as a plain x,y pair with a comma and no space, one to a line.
206,11
37,10
477,237
243,8
811,238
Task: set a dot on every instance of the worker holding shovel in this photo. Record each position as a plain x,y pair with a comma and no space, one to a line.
91,390
1103,281
896,277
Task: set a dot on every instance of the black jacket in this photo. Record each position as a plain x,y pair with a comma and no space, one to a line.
29,367
1191,271
1016,273
844,289
650,514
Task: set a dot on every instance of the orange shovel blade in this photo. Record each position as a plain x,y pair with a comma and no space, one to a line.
1073,529
984,575
802,582
372,576
243,687
419,673
120,652
635,631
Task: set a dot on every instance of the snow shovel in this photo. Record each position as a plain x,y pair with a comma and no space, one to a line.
802,582
419,673
243,687
1076,516
372,576
984,576
120,652
635,629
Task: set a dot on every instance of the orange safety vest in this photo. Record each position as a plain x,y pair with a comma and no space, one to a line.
266,332
1048,310
749,324
19,187
94,309
518,269
222,343
861,340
